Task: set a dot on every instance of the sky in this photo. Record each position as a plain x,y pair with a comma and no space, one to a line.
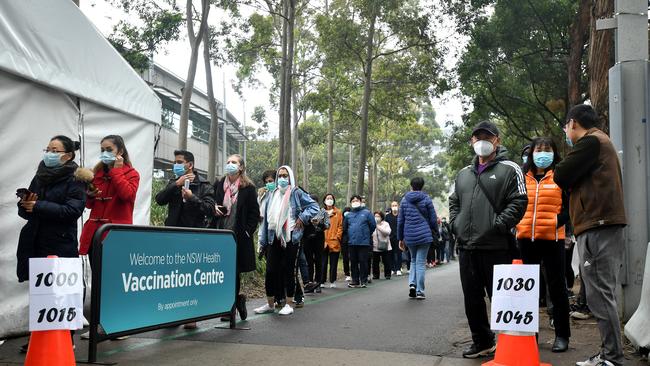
176,56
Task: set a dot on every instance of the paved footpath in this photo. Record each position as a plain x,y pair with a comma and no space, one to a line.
375,326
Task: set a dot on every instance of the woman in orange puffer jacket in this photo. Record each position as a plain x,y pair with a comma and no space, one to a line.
541,232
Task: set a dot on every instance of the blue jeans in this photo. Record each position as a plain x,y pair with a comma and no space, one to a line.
418,265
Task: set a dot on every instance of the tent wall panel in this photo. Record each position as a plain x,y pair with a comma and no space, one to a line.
31,114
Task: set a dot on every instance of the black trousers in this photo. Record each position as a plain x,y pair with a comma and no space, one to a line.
333,259
384,257
359,255
568,270
476,272
280,277
313,247
345,252
431,254
551,254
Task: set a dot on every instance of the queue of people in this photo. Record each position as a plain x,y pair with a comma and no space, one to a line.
498,211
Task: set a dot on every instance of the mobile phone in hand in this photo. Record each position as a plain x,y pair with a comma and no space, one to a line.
23,193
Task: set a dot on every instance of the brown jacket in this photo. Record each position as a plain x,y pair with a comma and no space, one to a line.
592,173
334,234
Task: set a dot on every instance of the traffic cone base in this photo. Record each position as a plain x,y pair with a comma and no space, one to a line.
516,350
50,348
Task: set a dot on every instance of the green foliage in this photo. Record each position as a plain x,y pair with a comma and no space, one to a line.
158,213
517,79
262,155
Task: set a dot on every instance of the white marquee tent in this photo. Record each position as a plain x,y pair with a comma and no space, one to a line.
59,75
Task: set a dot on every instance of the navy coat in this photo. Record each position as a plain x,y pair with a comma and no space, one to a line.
417,222
359,224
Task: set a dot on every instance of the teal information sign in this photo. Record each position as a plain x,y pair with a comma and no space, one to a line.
150,278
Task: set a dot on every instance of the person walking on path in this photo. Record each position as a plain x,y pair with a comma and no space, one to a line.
417,229
333,237
592,173
287,210
488,201
541,232
237,209
381,248
359,224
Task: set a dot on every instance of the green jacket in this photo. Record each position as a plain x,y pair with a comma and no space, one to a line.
473,220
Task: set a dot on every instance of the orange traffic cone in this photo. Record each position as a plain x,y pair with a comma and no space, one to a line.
516,350
50,348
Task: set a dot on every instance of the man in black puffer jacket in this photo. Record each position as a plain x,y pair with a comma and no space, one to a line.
483,231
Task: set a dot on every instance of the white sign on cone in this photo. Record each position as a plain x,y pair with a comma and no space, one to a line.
515,293
55,293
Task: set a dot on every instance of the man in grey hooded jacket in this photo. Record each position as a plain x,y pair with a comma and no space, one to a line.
488,201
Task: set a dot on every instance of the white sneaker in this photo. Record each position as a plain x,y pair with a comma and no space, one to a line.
591,361
264,309
322,285
393,272
286,310
348,278
399,273
332,285
85,335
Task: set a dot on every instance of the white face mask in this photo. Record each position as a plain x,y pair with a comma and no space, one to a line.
483,148
329,202
355,204
394,209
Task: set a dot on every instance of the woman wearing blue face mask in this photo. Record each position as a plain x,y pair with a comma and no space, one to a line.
111,198
541,232
52,205
236,209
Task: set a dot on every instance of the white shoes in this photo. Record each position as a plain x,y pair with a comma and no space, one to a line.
399,273
286,310
265,309
393,272
332,285
322,285
348,278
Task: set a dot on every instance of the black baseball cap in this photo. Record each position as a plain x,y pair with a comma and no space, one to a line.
486,126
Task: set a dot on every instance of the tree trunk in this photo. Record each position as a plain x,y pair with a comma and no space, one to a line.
289,78
371,186
283,75
375,184
601,44
578,35
330,150
294,132
350,172
363,143
195,42
213,141
305,169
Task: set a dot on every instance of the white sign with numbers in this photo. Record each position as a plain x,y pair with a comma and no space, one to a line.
515,298
55,293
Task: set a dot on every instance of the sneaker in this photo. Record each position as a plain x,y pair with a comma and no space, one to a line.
393,272
594,360
580,315
476,351
298,304
317,290
420,296
264,309
353,285
369,280
399,273
286,310
332,285
85,335
322,285
412,291
348,278
363,285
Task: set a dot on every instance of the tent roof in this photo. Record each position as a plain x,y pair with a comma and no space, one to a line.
52,43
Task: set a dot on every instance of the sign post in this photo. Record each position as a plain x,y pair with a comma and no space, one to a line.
147,278
515,293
